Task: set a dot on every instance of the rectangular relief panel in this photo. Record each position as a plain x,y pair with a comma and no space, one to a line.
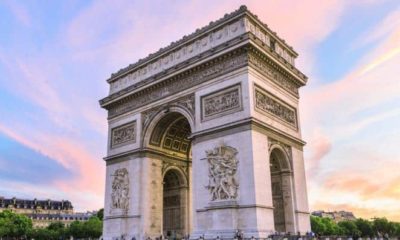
270,105
123,134
221,103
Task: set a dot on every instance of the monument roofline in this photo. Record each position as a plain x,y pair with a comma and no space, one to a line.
242,12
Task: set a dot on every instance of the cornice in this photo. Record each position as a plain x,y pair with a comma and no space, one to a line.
240,13
215,67
236,42
269,55
186,38
143,152
247,123
163,86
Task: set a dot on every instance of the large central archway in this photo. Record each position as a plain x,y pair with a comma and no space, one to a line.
168,135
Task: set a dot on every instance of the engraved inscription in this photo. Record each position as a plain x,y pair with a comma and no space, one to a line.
221,103
123,134
268,104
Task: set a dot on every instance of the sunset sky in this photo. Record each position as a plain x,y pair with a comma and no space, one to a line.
56,55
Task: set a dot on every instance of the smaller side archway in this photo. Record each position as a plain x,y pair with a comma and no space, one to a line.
175,204
282,191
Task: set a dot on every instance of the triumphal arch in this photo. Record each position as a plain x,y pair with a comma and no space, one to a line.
204,138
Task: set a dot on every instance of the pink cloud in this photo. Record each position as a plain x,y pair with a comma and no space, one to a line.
134,26
72,154
359,177
319,146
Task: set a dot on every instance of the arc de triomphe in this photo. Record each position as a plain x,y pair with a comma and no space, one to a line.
204,137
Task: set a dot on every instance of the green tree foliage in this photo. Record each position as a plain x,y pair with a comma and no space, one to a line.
317,226
14,225
365,227
397,231
17,226
350,228
325,227
100,214
44,234
93,227
378,227
383,227
76,230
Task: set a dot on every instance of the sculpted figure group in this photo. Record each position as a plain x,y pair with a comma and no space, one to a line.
222,170
120,189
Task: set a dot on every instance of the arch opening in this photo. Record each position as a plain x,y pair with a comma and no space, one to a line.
168,135
174,205
171,135
282,197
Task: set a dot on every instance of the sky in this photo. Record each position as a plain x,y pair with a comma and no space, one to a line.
56,55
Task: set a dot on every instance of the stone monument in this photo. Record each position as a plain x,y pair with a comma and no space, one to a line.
204,138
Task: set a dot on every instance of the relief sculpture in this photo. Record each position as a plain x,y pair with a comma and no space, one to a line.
123,134
221,103
269,105
120,190
222,170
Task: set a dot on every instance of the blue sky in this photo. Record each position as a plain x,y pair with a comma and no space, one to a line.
56,55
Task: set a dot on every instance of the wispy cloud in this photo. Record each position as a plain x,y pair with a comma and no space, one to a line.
355,175
19,11
58,87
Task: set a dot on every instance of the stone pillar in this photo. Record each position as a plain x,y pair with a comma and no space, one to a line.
288,201
249,209
122,215
151,198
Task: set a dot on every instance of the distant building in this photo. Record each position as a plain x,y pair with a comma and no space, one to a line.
43,220
44,212
336,216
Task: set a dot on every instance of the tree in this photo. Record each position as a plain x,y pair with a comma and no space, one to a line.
14,225
44,234
317,226
365,227
397,231
350,228
331,228
325,226
56,226
93,227
100,214
383,227
76,230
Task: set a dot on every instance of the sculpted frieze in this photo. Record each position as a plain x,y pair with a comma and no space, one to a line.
123,134
267,69
183,53
183,81
265,102
222,168
120,190
221,102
